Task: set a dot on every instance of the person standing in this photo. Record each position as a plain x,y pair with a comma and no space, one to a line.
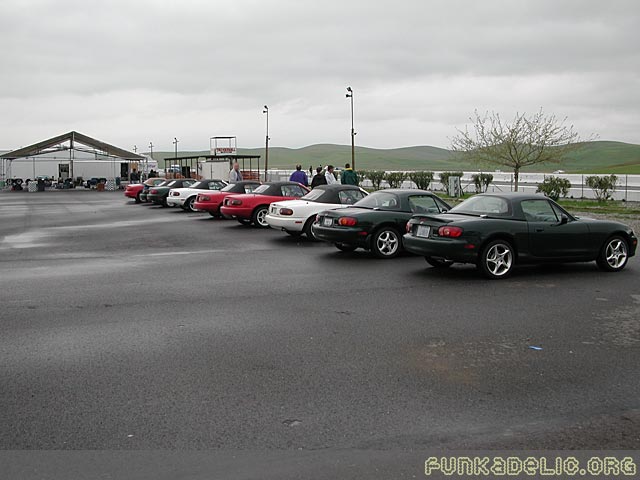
299,176
234,175
318,178
331,178
348,176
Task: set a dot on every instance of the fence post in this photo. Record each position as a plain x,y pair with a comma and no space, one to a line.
582,186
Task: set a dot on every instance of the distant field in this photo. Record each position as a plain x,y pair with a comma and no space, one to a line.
593,157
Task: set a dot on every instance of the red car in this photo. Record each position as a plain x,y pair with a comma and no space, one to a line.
212,201
252,207
133,190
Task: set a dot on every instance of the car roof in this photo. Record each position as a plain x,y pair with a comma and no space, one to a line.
515,195
337,186
403,191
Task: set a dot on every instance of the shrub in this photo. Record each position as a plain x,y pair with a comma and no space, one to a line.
482,181
421,179
554,187
375,177
395,179
603,187
444,179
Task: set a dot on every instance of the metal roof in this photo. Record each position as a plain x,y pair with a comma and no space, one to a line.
54,144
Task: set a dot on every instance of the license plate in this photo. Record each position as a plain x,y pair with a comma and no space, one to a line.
423,231
327,221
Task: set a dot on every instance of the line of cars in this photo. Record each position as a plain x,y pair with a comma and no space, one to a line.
494,231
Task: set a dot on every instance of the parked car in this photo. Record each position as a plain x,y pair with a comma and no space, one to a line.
146,188
133,190
185,197
296,216
212,201
251,208
498,231
159,193
376,222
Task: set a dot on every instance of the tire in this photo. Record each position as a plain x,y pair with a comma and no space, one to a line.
244,221
259,217
214,214
308,231
292,233
138,198
438,263
614,254
190,204
497,259
345,247
164,203
386,243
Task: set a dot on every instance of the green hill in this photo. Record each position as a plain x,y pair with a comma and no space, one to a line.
593,157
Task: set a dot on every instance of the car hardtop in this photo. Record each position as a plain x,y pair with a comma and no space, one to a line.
331,194
274,188
238,187
514,203
203,184
399,202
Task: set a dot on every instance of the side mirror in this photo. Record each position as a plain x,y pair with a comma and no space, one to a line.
563,219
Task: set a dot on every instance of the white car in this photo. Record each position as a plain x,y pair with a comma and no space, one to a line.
185,197
296,216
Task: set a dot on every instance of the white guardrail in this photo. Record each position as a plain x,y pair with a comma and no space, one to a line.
627,186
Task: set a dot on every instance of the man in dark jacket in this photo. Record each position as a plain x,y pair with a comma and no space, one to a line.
348,176
299,176
318,178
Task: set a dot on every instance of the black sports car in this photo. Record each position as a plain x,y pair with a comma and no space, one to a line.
377,221
498,231
158,194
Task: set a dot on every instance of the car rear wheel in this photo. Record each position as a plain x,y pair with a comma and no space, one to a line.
259,217
438,262
497,259
308,230
191,204
386,243
244,221
345,247
138,198
214,214
614,254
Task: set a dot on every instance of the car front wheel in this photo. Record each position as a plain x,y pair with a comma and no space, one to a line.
191,204
614,254
386,243
260,217
497,260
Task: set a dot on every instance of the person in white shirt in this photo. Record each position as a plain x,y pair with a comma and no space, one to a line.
331,179
235,175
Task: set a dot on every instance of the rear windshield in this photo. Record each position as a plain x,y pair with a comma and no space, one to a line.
483,205
313,195
262,188
382,200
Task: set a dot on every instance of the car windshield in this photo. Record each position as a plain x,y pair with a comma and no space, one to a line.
202,185
483,205
314,195
229,188
382,200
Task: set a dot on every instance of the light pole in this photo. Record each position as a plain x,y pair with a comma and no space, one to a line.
151,154
266,144
175,142
353,132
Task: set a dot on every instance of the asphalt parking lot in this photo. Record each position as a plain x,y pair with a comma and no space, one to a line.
130,327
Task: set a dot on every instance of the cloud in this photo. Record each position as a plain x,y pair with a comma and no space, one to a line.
135,71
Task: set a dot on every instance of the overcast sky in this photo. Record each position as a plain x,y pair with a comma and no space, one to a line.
131,72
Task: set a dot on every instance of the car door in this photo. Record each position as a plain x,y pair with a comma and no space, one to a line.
552,234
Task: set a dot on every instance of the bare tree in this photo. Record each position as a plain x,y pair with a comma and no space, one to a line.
523,142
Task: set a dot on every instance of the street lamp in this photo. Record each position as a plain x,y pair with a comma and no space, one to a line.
175,142
266,144
353,133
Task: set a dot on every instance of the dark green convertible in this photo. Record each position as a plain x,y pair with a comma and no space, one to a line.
376,222
498,231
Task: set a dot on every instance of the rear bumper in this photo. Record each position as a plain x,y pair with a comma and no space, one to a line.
207,207
235,212
449,249
131,194
348,235
293,224
175,201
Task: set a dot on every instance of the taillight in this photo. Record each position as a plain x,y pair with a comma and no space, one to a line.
451,232
154,191
235,202
347,221
408,227
203,198
175,194
286,211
